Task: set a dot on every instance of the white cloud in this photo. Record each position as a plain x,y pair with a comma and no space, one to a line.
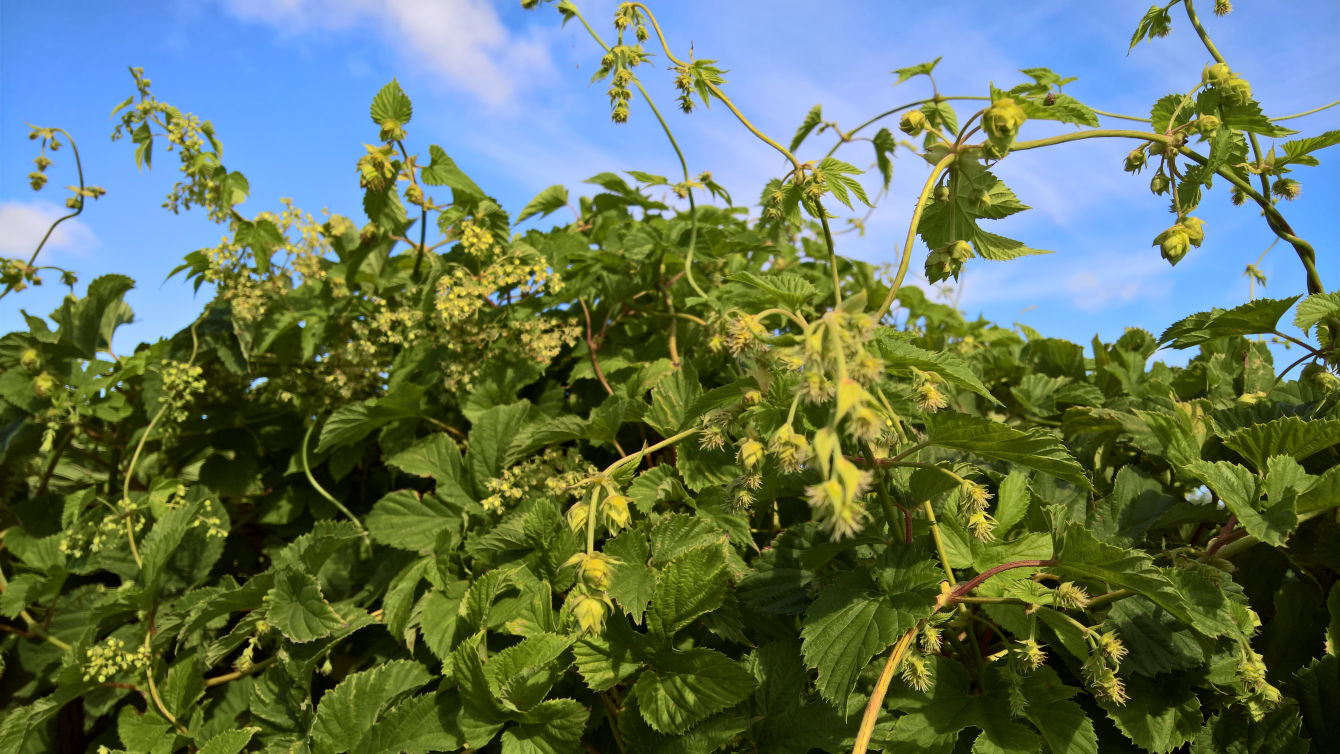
26,222
463,43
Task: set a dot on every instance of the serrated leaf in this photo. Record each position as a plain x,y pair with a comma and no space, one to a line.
1253,318
418,725
920,69
1161,714
785,288
899,353
490,435
1317,688
688,586
1271,521
1299,151
1290,436
682,688
229,741
409,521
551,199
855,618
812,119
1316,307
392,104
521,675
348,712
443,171
1035,449
606,660
297,608
438,457
672,399
1081,556
551,727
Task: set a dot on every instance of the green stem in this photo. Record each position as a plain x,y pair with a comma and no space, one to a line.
882,494
1305,112
79,166
1097,133
1200,31
832,253
895,111
940,550
591,520
667,442
307,469
1120,116
912,233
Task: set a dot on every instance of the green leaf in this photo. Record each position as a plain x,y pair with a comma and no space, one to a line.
606,660
409,521
897,352
296,607
1288,435
1082,557
1155,23
634,582
885,145
920,69
442,171
686,587
436,456
551,727
551,199
490,435
521,675
1036,449
418,725
782,288
348,712
1317,307
87,324
1158,642
837,176
1279,731
164,539
682,688
351,423
812,119
1299,151
1317,689
857,617
1253,318
1161,715
391,103
1063,723
229,741
672,399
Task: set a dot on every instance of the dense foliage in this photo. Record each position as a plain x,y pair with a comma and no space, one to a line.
673,476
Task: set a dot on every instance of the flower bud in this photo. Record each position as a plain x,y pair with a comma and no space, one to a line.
1173,243
44,385
913,123
1160,184
1238,197
1135,161
30,359
1002,121
590,613
941,193
753,397
751,454
1208,125
947,260
392,130
595,572
1195,230
1317,376
1286,188
1215,75
1237,91
1222,7
615,509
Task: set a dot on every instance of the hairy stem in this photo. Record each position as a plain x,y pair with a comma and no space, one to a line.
912,233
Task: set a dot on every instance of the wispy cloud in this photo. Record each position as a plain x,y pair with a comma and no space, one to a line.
26,222
463,43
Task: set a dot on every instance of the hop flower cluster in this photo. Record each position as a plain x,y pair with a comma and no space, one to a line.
550,474
1106,651
102,661
109,531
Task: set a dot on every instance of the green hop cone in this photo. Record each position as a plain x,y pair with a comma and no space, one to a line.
1216,75
1002,121
44,385
1237,91
1317,376
1208,125
392,131
30,360
1135,160
1195,230
1160,184
595,572
1173,243
913,123
941,193
590,613
947,261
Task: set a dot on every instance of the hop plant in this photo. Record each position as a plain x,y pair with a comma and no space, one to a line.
1070,596
913,123
1002,121
1287,189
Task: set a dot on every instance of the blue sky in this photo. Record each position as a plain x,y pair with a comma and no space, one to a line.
504,91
